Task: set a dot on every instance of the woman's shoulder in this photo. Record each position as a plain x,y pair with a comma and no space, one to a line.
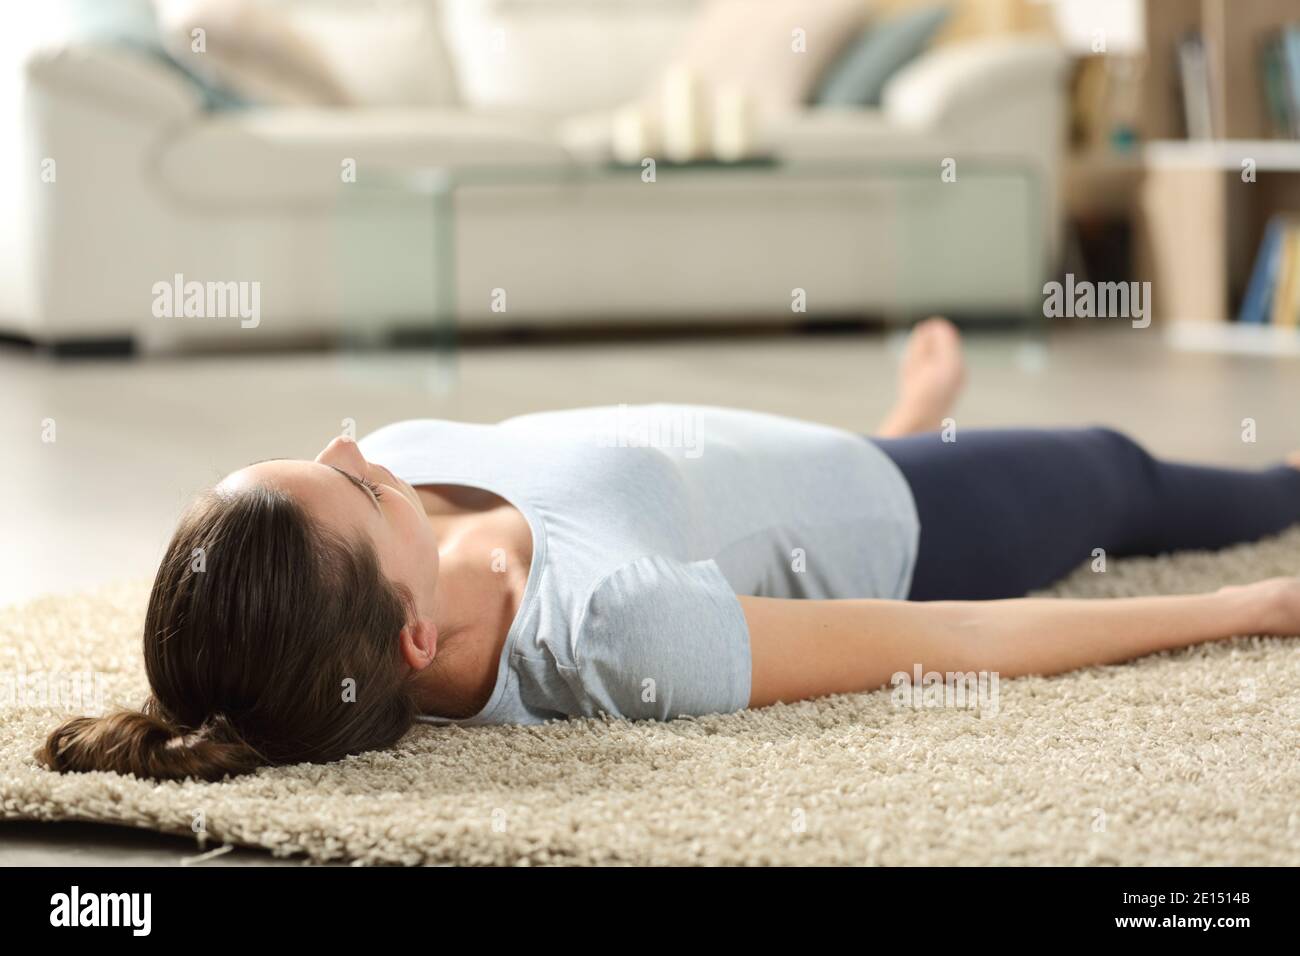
660,638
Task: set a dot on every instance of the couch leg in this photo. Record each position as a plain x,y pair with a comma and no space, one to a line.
113,346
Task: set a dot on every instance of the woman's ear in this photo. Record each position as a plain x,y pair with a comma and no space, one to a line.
419,642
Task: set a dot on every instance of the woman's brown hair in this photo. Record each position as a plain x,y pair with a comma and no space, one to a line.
268,640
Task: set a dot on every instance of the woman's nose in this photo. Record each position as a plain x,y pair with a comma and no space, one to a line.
343,452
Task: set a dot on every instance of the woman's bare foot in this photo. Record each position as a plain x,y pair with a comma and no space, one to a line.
931,376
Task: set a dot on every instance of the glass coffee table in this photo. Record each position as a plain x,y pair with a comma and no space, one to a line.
399,227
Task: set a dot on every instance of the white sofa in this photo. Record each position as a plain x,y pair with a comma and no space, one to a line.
150,185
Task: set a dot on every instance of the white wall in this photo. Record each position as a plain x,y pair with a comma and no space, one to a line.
1119,21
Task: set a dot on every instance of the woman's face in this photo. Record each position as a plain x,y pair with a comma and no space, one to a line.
353,497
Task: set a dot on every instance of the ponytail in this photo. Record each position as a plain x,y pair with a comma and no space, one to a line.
146,745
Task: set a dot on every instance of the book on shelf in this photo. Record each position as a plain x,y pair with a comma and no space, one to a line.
1283,305
1273,292
1279,106
1256,307
1289,38
1194,75
1278,68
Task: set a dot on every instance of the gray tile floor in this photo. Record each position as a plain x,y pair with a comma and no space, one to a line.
134,439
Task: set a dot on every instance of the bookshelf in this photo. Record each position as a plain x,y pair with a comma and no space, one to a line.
1199,223
1269,155
1232,337
1232,31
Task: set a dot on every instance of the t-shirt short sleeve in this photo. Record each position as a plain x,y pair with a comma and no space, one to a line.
661,638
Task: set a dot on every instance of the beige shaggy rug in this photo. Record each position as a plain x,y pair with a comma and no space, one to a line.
1183,758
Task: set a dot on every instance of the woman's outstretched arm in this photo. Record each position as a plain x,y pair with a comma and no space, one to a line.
803,649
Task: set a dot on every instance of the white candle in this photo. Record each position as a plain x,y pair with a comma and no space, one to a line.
733,125
632,136
685,120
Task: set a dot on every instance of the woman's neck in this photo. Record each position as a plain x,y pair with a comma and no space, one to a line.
482,578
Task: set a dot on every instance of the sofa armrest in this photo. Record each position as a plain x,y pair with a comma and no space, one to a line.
123,81
959,81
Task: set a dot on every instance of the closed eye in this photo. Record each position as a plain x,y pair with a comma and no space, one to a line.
373,488
367,488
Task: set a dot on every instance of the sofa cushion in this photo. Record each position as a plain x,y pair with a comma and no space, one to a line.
132,25
773,51
560,57
287,157
859,76
382,54
313,54
249,48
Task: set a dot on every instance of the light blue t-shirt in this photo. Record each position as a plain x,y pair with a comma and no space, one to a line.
647,521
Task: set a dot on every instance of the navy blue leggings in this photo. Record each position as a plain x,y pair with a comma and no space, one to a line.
1006,511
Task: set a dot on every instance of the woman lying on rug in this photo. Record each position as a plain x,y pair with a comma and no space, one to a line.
654,562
